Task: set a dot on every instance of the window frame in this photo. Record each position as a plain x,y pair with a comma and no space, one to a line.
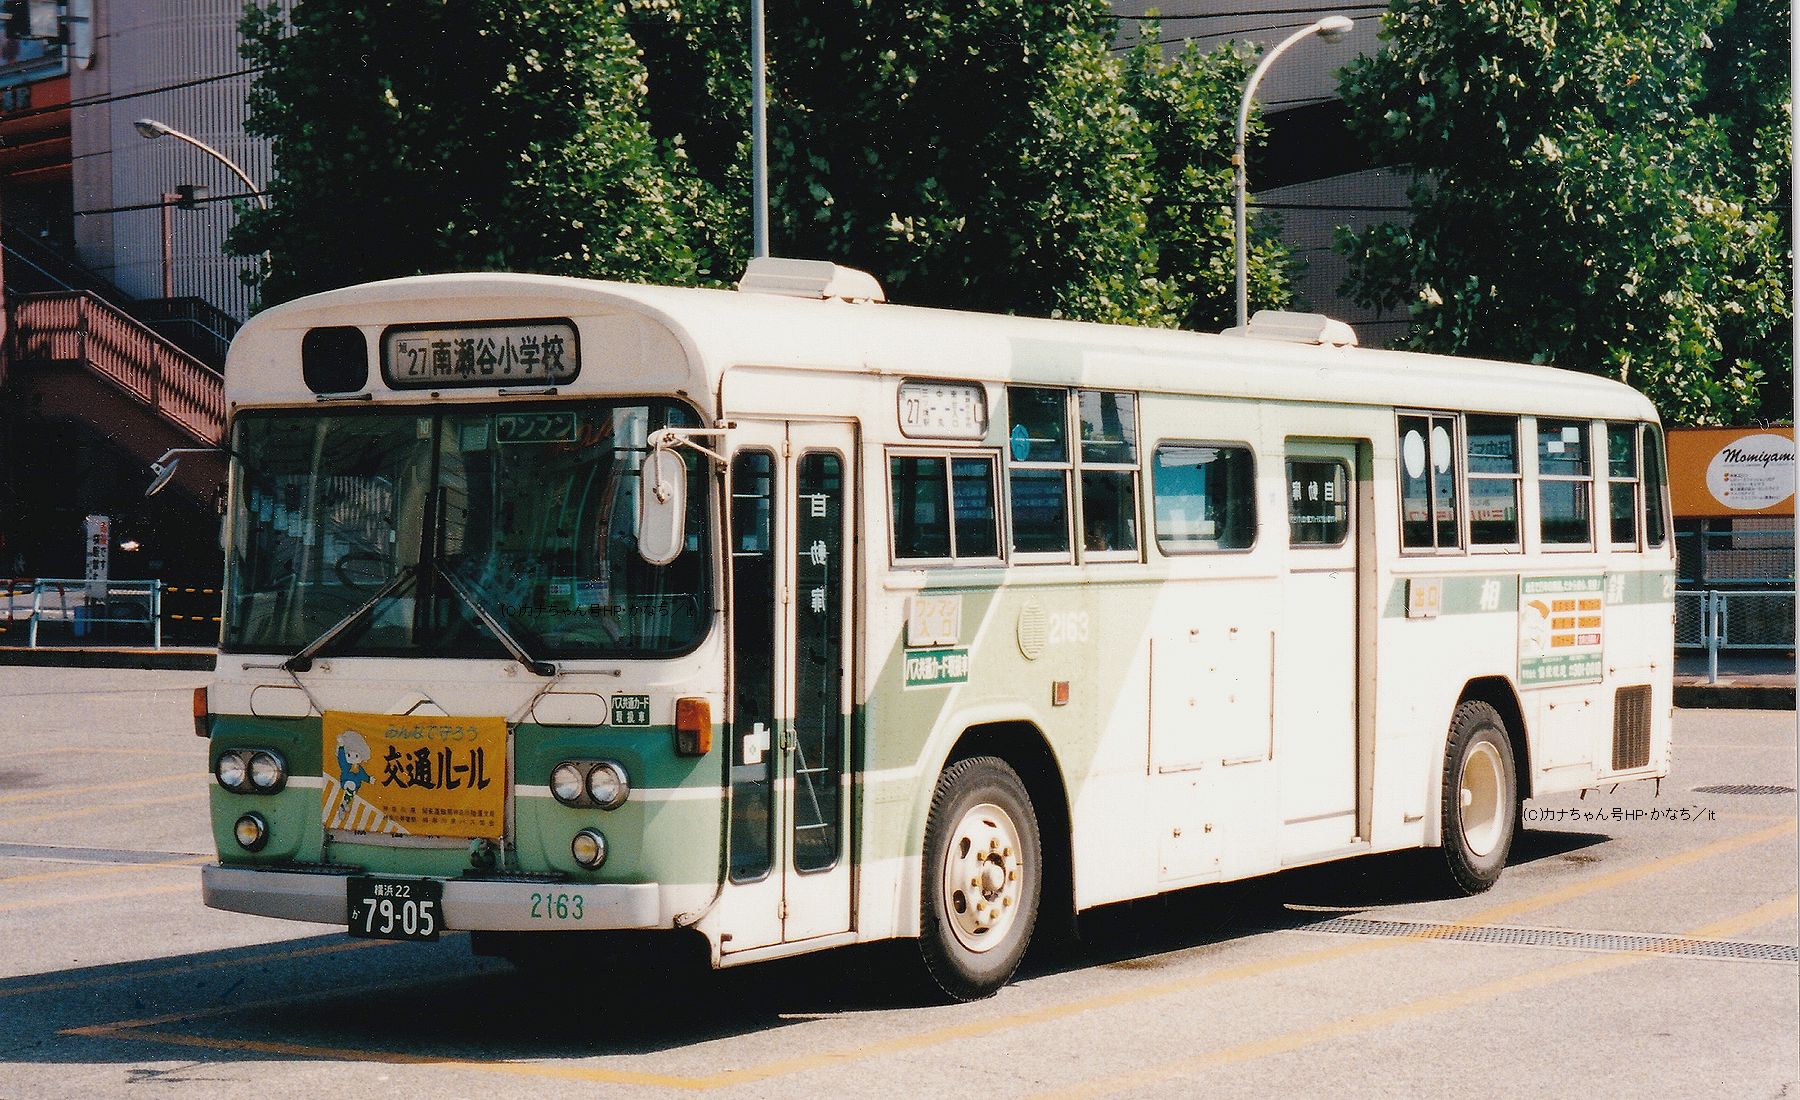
1458,449
1636,481
1517,477
1651,436
1255,506
1067,466
1589,479
1133,469
949,455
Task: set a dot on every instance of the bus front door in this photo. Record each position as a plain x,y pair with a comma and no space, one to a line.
793,592
1316,674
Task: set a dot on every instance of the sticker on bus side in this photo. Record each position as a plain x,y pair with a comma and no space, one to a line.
928,668
1561,630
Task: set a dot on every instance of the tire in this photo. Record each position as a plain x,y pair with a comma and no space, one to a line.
981,877
1480,811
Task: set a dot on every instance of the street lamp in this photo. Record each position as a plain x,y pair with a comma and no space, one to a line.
150,128
1331,28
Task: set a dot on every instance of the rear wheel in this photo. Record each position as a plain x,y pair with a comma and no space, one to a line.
981,877
1480,810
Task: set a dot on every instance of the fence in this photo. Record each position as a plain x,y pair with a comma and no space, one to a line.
1746,620
1745,556
56,611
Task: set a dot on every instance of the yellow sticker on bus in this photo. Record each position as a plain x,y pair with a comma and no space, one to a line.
413,776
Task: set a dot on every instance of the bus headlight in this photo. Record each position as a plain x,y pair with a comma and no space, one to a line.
608,785
233,771
588,848
252,832
268,772
566,784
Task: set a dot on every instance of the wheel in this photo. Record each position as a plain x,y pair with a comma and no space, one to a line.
981,877
1481,797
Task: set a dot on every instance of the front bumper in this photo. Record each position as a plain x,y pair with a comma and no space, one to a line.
469,904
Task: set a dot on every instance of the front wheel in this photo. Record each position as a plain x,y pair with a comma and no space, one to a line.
1481,797
981,877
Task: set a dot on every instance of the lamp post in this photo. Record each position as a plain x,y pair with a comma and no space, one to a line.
759,137
150,128
1331,28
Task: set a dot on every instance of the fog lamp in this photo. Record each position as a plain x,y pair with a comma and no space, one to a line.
608,785
252,832
588,848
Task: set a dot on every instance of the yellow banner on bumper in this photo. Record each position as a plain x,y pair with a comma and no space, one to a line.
411,776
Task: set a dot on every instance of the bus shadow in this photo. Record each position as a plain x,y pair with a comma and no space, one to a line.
336,998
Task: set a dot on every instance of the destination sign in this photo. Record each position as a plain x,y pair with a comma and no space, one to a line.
943,410
510,353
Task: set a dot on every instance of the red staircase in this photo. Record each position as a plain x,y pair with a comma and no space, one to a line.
79,328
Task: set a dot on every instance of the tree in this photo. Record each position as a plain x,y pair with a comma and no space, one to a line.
492,134
981,154
1575,199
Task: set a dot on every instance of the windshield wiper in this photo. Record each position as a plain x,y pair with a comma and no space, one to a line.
519,654
302,661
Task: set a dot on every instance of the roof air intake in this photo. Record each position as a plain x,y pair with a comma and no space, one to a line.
809,279
1297,328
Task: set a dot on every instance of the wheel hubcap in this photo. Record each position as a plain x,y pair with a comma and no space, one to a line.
984,877
1483,807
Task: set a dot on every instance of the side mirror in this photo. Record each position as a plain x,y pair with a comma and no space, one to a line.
662,506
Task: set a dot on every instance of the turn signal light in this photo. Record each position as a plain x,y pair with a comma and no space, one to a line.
200,715
693,727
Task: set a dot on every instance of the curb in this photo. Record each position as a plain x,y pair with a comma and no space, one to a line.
189,660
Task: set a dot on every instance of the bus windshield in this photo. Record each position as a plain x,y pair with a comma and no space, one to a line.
527,511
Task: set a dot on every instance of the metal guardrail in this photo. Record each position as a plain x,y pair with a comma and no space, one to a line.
1744,620
80,326
89,609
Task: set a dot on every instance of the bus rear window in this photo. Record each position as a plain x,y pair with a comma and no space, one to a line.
1205,497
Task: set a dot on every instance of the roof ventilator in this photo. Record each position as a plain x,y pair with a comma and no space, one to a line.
809,279
1296,328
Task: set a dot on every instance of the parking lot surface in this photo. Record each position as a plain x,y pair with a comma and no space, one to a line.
1638,945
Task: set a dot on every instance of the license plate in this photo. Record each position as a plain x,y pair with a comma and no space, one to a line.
395,908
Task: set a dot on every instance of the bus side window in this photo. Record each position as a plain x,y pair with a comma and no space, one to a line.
1493,472
1204,496
1656,484
1622,480
944,518
1429,517
1109,473
1038,475
1565,483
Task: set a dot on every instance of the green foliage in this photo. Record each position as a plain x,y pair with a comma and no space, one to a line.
415,136
980,154
1593,186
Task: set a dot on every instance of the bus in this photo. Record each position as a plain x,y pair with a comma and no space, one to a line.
789,618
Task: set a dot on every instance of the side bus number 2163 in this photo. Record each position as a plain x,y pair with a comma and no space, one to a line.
556,906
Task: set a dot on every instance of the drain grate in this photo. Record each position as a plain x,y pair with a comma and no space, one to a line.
1743,788
1553,937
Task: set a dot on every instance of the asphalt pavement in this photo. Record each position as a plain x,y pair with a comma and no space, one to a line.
1641,943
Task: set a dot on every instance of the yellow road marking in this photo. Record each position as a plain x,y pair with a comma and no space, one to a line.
48,903
137,1030
88,811
108,869
93,788
1426,1006
189,968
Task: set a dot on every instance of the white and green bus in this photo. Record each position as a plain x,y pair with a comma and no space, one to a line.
793,619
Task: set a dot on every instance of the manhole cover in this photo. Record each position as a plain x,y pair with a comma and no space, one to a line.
1743,788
